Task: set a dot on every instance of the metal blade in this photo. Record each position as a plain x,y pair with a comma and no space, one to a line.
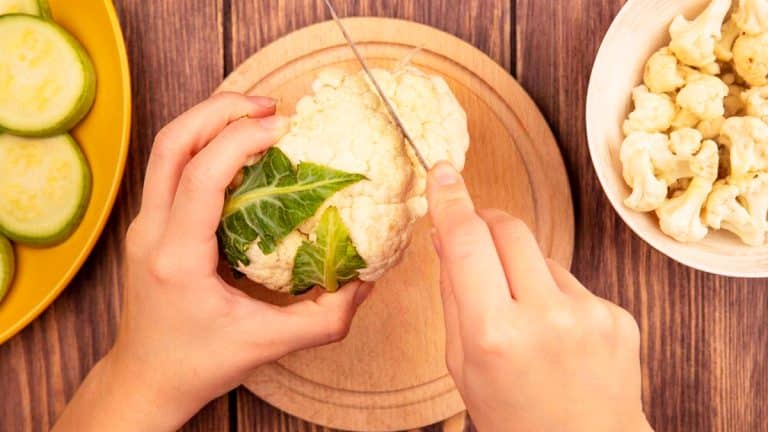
387,103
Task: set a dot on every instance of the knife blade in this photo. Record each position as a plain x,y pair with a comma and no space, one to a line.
379,90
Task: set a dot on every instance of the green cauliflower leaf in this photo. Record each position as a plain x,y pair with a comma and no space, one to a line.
273,200
330,261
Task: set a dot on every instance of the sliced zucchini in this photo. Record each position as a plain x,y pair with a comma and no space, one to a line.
47,80
7,265
31,7
44,188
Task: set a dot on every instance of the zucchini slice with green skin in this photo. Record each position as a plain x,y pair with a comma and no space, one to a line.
47,80
31,7
44,188
7,266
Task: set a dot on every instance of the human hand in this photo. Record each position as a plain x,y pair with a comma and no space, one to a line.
529,347
185,336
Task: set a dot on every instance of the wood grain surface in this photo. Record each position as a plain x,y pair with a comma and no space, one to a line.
704,338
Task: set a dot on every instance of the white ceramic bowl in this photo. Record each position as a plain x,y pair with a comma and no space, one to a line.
637,32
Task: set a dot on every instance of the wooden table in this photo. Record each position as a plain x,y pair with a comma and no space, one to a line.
705,338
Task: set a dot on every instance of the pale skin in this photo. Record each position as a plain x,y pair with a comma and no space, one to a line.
530,348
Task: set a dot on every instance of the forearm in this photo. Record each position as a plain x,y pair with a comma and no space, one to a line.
111,400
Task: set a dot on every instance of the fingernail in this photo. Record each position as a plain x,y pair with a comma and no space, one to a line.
263,101
274,122
445,174
362,293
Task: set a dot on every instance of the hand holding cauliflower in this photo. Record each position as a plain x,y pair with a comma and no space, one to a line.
357,190
696,146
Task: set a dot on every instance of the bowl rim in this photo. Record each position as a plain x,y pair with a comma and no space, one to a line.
106,210
617,203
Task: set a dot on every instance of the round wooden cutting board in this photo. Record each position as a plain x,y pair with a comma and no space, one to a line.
389,373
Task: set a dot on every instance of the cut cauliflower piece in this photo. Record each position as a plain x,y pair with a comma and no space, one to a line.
344,125
756,102
648,191
693,42
686,156
662,74
710,129
680,217
703,96
741,207
685,119
746,139
724,46
751,16
750,58
653,112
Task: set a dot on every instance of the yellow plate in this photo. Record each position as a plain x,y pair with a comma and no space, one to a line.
43,273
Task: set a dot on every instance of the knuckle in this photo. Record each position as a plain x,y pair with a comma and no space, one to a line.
226,97
162,267
562,320
196,176
337,328
627,324
494,340
465,228
600,316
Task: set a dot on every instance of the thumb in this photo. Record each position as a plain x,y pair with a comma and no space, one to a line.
326,319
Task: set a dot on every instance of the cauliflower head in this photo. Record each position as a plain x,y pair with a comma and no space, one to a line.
724,46
648,191
680,217
693,42
755,102
741,207
653,112
751,16
344,126
750,58
746,140
662,73
703,95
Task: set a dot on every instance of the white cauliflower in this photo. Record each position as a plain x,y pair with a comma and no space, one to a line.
662,74
741,207
724,46
734,102
653,162
746,139
750,58
653,112
648,191
693,42
345,126
703,96
685,119
710,129
756,102
751,16
680,217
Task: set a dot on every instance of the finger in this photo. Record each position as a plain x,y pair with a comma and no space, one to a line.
199,200
524,265
467,250
326,319
178,142
567,283
454,352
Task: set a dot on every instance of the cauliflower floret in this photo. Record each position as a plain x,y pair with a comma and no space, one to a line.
680,217
756,102
685,119
686,156
750,58
648,191
344,125
274,271
653,112
710,129
703,96
751,16
724,47
661,72
693,42
740,206
746,139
